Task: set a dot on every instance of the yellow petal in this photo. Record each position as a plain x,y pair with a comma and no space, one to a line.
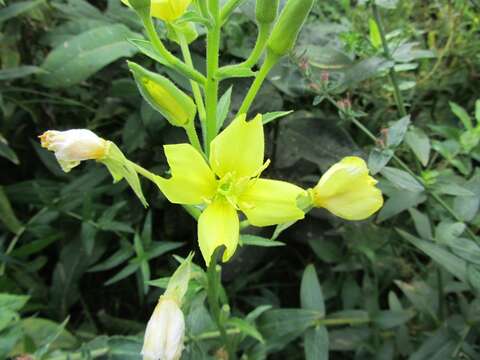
269,202
218,225
192,181
239,148
169,10
348,191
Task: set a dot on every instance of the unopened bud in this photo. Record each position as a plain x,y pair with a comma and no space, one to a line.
266,11
164,96
286,30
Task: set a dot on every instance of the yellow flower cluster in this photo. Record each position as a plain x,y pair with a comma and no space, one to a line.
229,182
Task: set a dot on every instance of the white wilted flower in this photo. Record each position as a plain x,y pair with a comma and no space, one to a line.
165,332
73,146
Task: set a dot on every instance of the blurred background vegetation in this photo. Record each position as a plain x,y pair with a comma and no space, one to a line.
80,257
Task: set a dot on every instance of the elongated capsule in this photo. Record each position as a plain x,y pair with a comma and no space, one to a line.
164,96
286,30
266,11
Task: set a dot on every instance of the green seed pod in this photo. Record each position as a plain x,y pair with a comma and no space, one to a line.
285,32
164,96
266,11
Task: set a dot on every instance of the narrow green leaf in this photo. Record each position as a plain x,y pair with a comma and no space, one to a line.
311,295
17,9
7,215
316,343
253,240
462,115
246,328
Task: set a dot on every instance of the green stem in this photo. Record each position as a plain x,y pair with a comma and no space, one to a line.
228,9
174,62
193,136
269,63
197,94
391,74
213,296
262,39
211,88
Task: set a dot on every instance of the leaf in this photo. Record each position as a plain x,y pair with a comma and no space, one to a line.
452,263
316,343
146,48
17,9
223,107
284,322
19,72
392,318
402,179
246,328
7,215
271,116
399,201
122,274
461,114
12,302
83,55
378,159
6,151
311,296
421,296
422,224
47,334
253,240
88,233
397,131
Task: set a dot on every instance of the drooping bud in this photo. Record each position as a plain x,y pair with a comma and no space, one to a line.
165,332
266,11
348,191
73,146
166,328
164,96
286,30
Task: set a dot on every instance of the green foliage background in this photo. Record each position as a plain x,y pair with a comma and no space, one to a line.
82,262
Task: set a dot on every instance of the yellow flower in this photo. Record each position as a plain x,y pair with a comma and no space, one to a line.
348,191
167,10
230,182
73,146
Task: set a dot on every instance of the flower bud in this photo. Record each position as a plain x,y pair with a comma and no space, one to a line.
164,96
73,146
266,11
285,32
348,191
165,332
166,10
